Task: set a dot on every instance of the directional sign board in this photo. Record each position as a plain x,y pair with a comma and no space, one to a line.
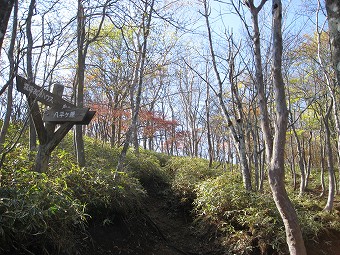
66,114
41,94
87,119
62,111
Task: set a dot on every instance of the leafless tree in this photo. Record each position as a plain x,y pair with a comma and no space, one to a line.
141,40
275,143
333,7
84,39
8,113
5,13
236,127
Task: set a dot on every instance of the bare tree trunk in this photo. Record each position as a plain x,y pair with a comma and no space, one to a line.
6,7
292,165
8,113
322,173
332,8
83,42
275,148
79,142
236,130
308,164
256,157
330,163
145,27
32,131
260,85
276,170
301,156
210,146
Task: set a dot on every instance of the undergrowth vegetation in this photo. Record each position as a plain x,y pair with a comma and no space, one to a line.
243,222
50,213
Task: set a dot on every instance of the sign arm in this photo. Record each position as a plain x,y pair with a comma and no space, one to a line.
59,135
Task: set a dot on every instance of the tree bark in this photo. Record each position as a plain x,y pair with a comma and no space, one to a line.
308,164
330,164
79,141
8,113
301,156
322,165
139,74
333,13
276,170
6,7
32,130
207,110
260,86
83,42
236,130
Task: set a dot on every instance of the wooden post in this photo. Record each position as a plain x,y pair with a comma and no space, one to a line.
66,114
44,150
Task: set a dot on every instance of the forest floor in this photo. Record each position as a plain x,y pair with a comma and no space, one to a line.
166,229
163,229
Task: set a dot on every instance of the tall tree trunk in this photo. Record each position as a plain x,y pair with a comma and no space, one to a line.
276,169
308,164
275,147
322,165
259,81
301,156
12,72
333,13
30,78
292,165
6,7
83,42
139,74
333,7
330,163
79,142
237,131
207,110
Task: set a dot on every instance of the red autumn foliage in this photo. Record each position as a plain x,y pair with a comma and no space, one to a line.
151,122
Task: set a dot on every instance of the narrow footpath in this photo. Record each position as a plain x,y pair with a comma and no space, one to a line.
175,227
163,229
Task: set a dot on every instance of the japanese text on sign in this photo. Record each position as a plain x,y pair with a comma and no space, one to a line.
38,93
64,114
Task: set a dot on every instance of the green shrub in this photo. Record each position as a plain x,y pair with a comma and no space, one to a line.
48,213
39,215
147,170
104,195
248,222
313,220
186,173
162,158
245,222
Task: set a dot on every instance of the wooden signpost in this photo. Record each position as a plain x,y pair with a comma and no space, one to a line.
66,114
60,112
42,95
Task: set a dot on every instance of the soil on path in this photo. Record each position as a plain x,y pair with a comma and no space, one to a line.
164,228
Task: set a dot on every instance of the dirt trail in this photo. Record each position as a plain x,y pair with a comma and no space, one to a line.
167,231
175,228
